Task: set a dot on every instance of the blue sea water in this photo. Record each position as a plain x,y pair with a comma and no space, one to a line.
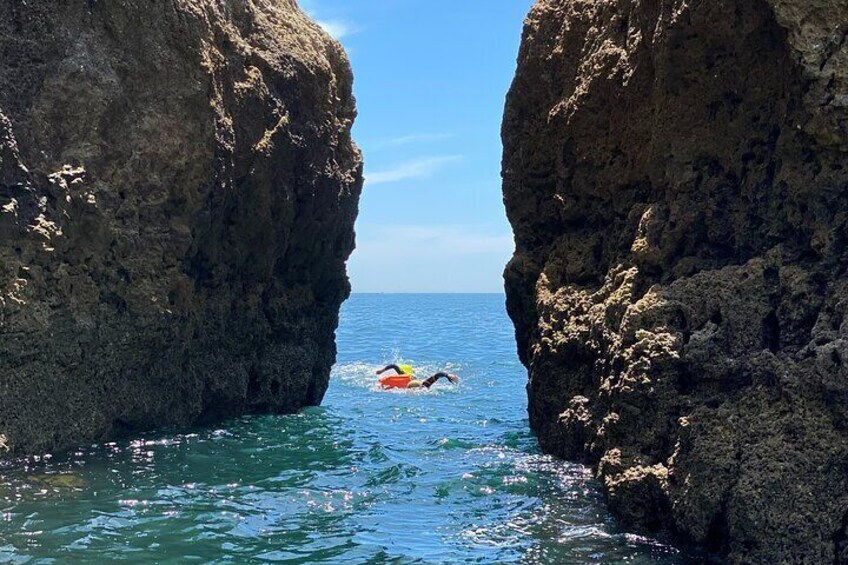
446,475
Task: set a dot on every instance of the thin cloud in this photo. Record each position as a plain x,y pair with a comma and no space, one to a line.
436,257
418,168
389,240
337,28
394,242
412,139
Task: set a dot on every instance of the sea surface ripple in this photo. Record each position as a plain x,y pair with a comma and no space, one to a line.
449,475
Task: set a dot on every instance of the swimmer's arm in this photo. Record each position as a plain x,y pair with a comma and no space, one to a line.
390,367
432,380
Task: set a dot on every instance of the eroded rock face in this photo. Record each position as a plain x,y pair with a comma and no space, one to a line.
178,188
676,173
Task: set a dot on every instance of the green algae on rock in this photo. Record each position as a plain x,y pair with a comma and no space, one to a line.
676,174
178,188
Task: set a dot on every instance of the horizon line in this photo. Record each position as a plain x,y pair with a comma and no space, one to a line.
502,293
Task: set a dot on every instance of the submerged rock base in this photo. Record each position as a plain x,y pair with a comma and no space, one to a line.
178,188
676,173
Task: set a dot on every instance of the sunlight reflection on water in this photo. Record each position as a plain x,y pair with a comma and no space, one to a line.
449,475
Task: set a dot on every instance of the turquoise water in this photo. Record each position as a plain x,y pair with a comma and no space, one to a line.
449,475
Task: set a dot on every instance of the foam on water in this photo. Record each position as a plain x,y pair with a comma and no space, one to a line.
446,475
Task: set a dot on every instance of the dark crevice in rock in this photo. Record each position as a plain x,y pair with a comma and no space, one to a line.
840,543
771,333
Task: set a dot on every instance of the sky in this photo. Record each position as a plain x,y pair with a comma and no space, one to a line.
430,81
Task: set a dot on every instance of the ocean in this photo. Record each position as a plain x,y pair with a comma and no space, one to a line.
440,476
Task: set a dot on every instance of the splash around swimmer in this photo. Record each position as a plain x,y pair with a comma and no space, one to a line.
404,377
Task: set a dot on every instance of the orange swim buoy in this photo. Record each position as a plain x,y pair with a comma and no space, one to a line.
396,381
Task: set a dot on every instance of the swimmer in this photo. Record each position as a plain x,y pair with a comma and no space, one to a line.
405,377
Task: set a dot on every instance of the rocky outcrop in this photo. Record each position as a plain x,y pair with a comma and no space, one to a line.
178,188
676,173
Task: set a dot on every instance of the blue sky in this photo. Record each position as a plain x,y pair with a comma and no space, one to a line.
430,81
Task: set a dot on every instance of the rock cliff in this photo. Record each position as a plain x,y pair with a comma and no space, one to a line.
178,188
676,173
